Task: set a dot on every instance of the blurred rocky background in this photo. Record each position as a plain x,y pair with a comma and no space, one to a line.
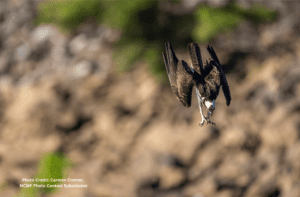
91,88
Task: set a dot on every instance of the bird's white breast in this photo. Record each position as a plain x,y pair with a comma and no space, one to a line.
208,104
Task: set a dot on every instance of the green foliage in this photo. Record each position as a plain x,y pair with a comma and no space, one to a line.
52,165
259,14
68,14
212,21
140,22
119,13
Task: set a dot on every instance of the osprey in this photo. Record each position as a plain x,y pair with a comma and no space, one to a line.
207,79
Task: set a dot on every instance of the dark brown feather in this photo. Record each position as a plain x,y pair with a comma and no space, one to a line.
180,76
223,79
195,54
171,64
184,83
212,83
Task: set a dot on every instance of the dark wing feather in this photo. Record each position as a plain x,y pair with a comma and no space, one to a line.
223,79
184,83
207,69
199,71
195,54
171,61
180,76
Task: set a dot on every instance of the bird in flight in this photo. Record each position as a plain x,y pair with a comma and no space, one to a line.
207,79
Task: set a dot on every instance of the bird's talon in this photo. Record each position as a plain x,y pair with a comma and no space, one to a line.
212,123
205,119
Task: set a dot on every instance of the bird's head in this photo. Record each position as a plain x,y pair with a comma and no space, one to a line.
210,106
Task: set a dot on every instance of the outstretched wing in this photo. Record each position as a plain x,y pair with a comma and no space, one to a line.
223,79
180,76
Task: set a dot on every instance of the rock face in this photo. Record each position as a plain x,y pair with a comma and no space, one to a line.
128,135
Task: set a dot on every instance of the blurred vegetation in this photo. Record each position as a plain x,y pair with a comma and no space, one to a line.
145,27
213,21
52,165
68,15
